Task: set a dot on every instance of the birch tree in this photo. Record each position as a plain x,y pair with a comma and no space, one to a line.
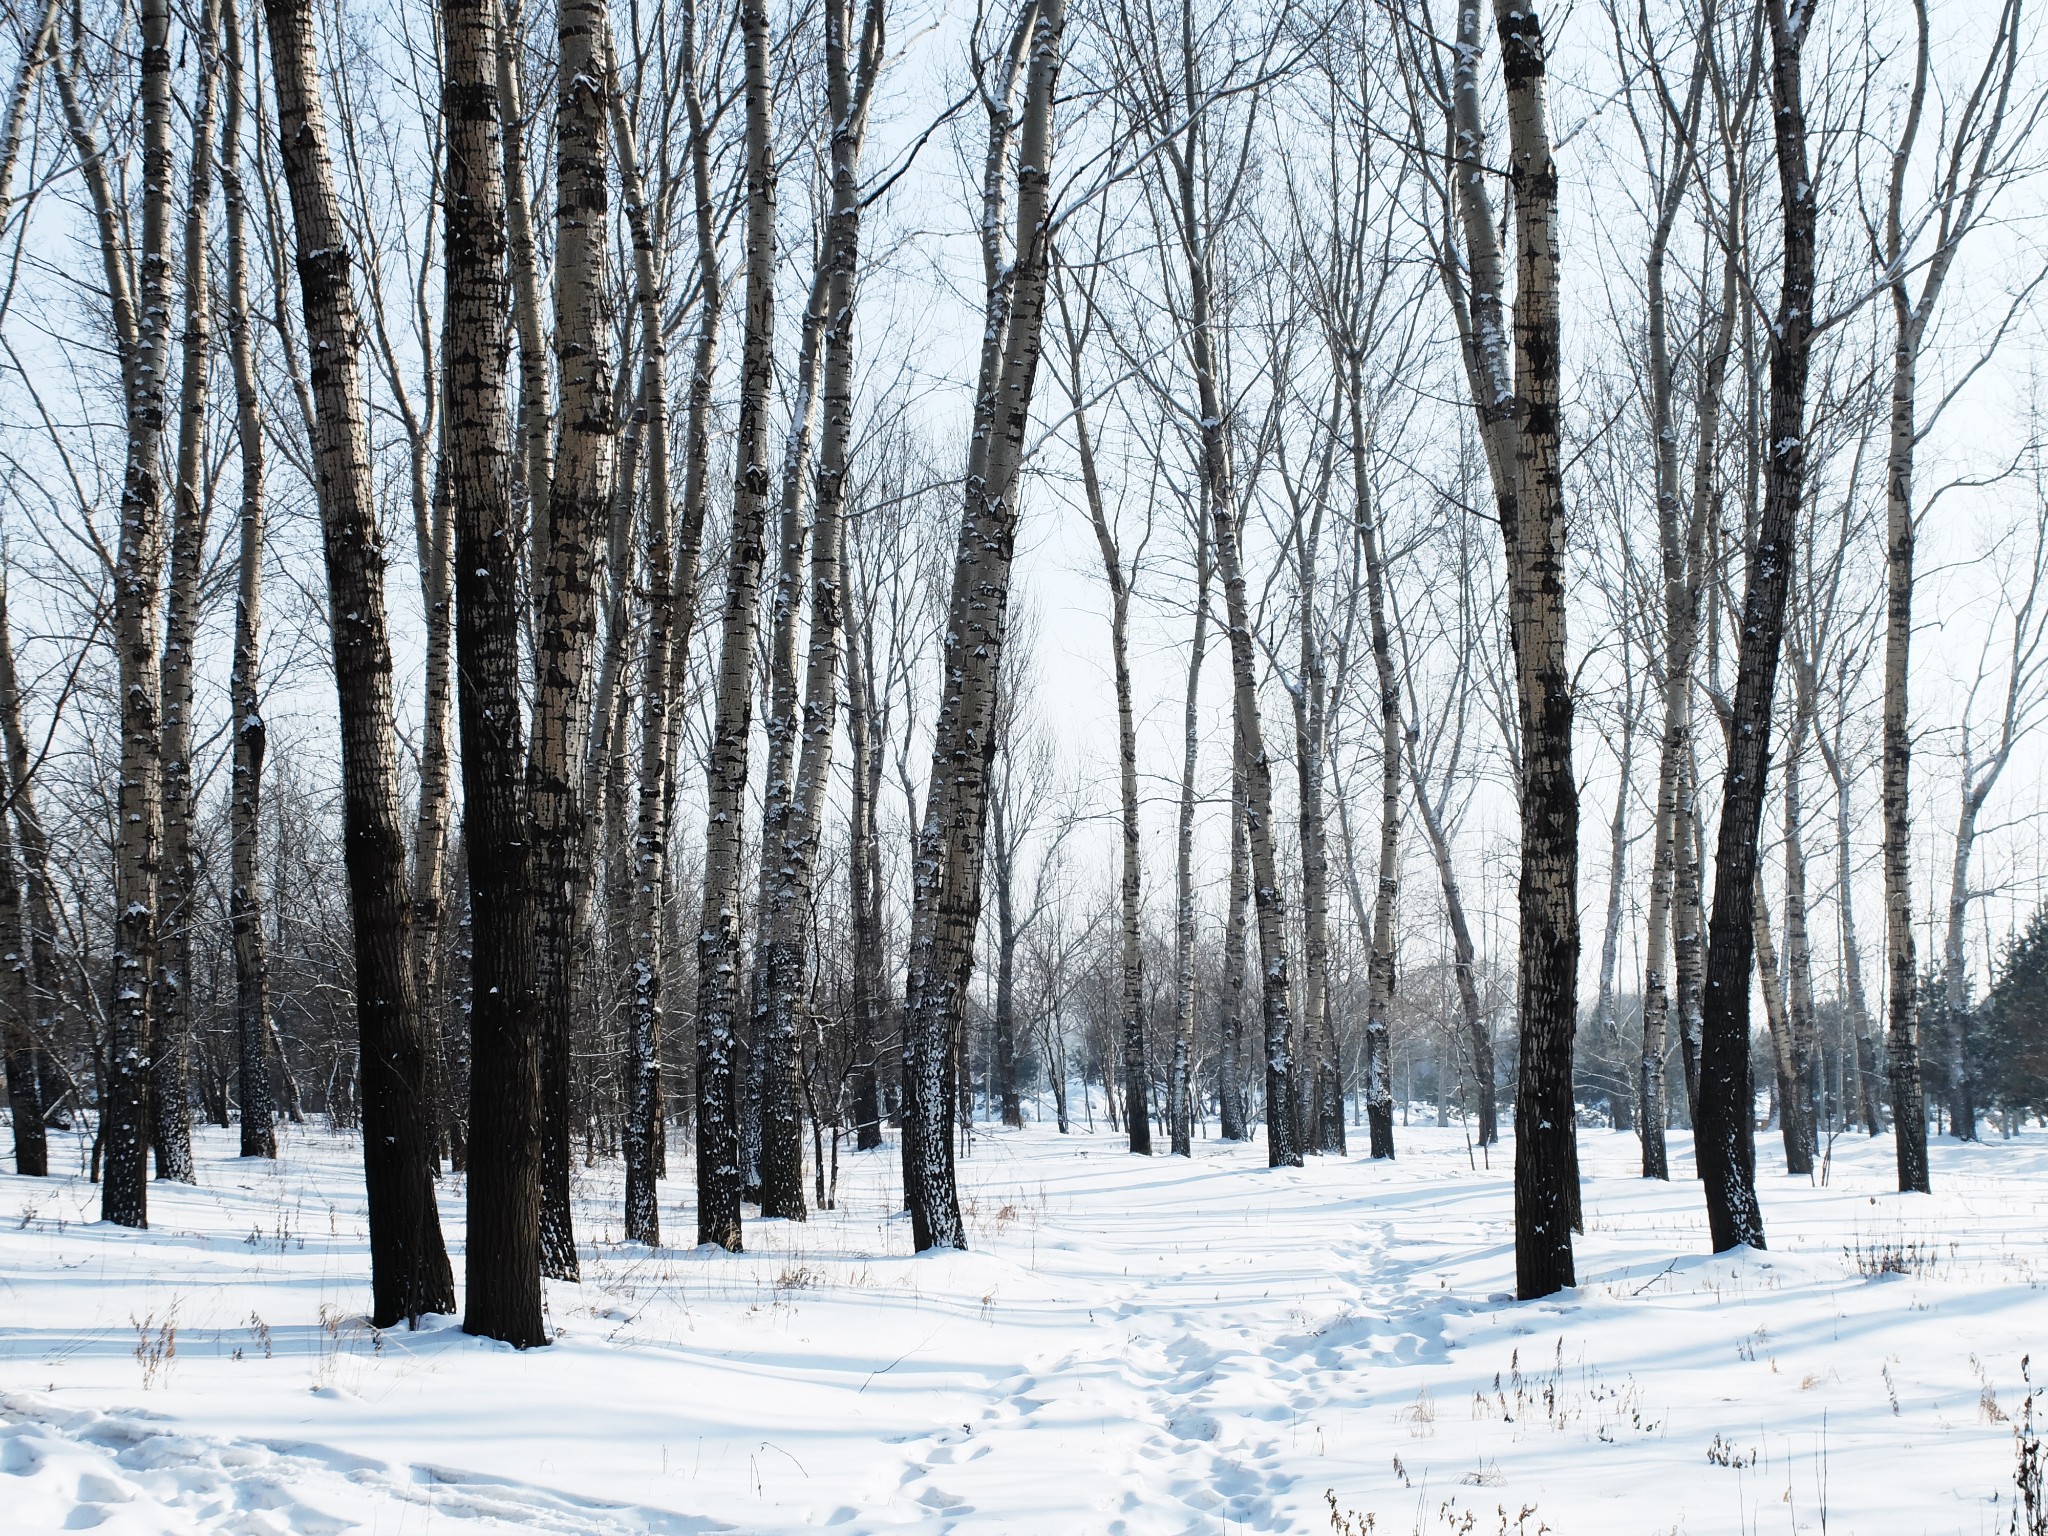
947,873
409,1269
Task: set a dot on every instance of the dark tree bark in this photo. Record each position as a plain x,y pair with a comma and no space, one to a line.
578,508
409,1269
245,900
1724,1132
503,1256
1532,523
170,1010
947,878
719,1172
1230,1112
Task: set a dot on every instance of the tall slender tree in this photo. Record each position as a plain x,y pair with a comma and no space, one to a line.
409,1268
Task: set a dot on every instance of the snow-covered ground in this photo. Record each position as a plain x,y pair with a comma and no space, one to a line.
1133,1345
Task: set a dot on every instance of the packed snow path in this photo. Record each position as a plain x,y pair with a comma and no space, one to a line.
1133,1346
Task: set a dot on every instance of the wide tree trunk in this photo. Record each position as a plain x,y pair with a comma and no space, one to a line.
245,794
1533,527
409,1267
503,1254
578,508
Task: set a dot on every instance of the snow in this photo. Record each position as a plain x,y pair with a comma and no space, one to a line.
1133,1345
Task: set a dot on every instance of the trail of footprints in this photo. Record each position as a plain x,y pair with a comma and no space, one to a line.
1196,1420
133,1473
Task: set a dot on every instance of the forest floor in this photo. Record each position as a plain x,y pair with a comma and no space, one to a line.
1133,1345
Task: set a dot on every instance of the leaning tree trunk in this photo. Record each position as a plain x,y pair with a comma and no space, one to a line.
1131,999
1464,955
786,926
946,884
245,794
503,1254
579,506
409,1268
1182,1117
719,1172
1726,1145
170,1012
1283,1138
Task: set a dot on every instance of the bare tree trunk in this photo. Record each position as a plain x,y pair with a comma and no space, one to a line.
535,421
865,895
579,505
503,1254
1464,954
1319,1121
1806,1082
851,64
1131,1005
946,887
141,318
1617,878
770,1107
1182,1116
1379,984
245,798
1852,954
410,1274
1972,165
1785,1064
1724,1120
17,1010
1680,609
1229,1059
22,942
719,1171
1546,1158
642,911
170,1013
